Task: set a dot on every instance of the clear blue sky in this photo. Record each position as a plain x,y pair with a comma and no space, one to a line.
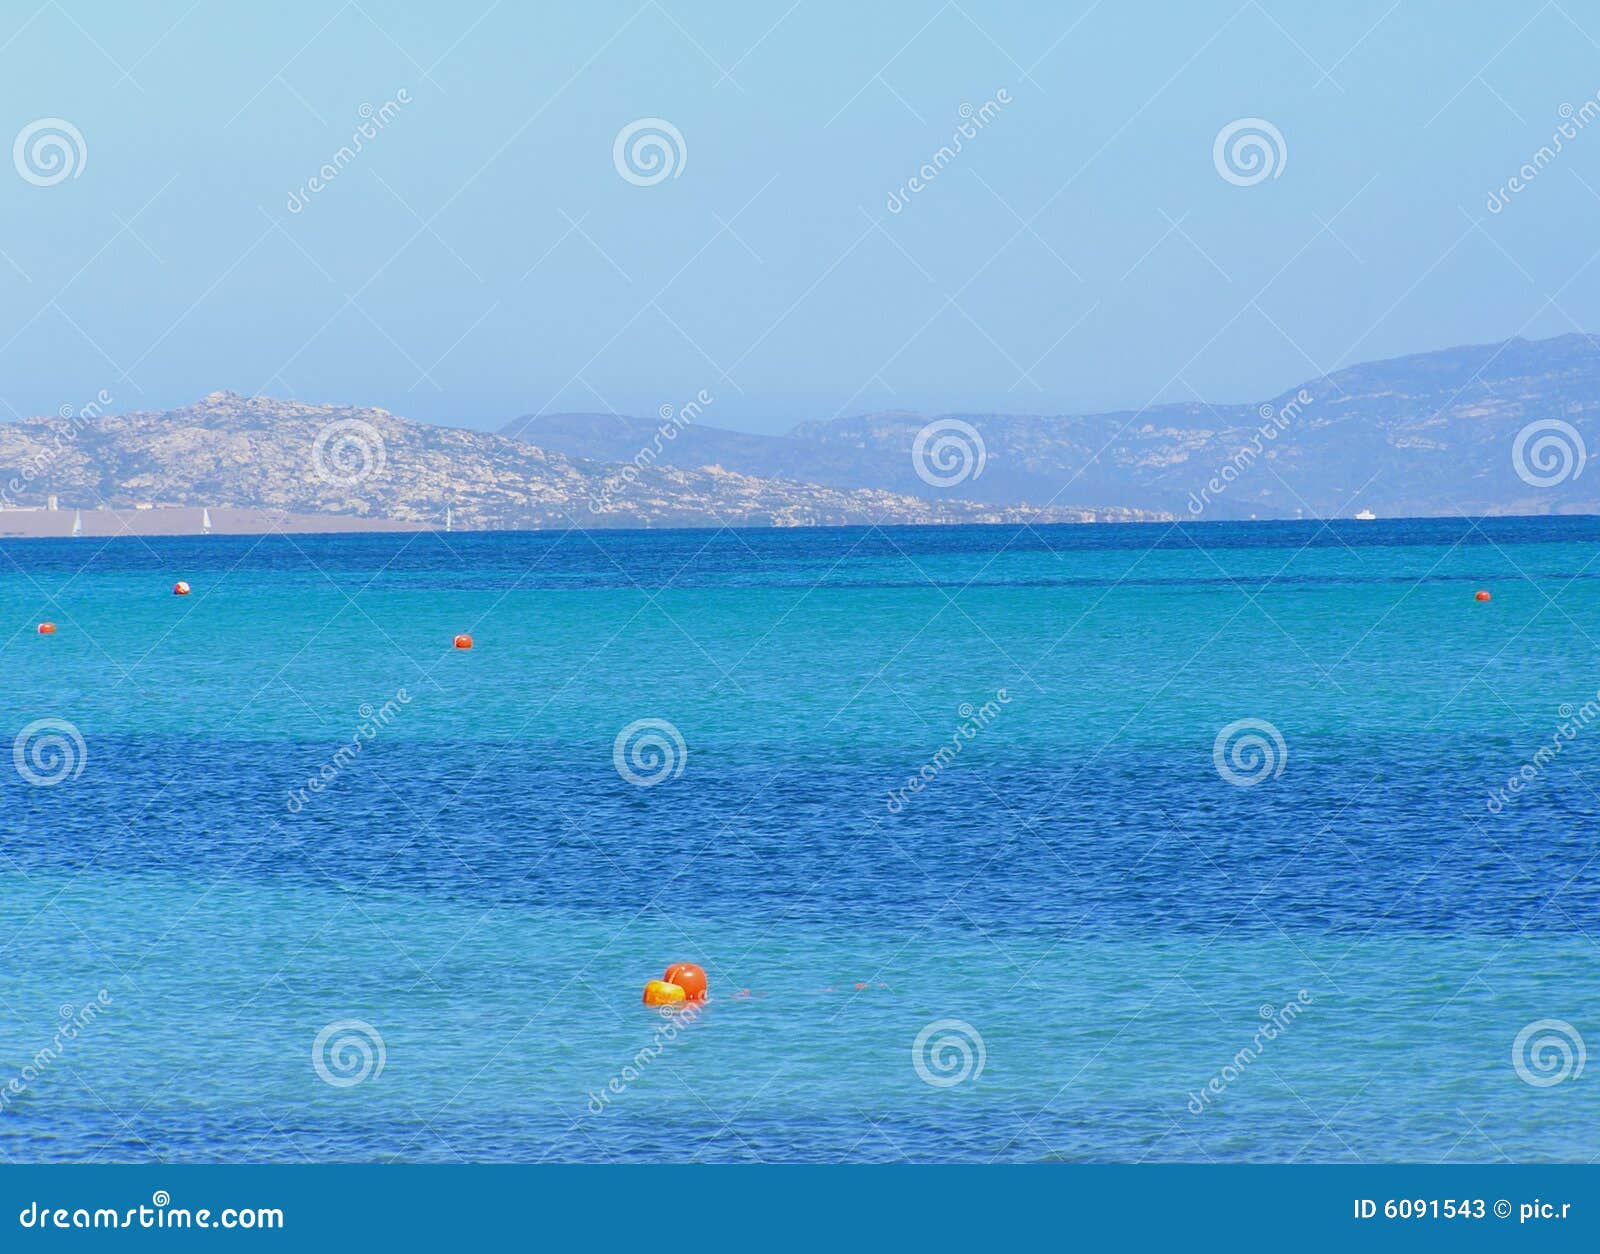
482,257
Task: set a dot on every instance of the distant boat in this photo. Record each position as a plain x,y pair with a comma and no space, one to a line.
205,522
1366,515
448,518
77,522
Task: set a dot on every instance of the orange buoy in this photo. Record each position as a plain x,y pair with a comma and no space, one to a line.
180,589
1483,595
47,629
660,993
463,641
690,978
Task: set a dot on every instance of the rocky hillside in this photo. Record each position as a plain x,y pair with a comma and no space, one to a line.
231,451
1496,429
1435,433
617,438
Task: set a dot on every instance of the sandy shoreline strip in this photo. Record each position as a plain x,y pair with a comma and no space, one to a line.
184,521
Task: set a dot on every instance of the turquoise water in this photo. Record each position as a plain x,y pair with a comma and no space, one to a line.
1103,913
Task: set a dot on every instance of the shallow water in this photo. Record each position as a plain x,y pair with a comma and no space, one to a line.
1075,882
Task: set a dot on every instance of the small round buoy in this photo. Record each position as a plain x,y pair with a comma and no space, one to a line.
660,993
47,629
463,641
690,978
1483,595
180,589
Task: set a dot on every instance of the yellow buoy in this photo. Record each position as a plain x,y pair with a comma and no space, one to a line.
660,993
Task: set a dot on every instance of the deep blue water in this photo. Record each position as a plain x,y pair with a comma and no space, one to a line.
1075,882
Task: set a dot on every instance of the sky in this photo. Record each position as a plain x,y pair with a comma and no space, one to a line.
498,246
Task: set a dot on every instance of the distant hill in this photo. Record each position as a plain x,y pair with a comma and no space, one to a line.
1432,433
231,452
614,438
1493,429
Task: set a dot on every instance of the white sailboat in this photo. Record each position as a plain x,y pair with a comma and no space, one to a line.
448,518
77,522
205,522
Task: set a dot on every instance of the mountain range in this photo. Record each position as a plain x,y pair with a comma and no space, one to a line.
1432,433
1490,429
293,459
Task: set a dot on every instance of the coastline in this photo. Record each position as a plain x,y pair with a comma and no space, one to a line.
38,523
184,521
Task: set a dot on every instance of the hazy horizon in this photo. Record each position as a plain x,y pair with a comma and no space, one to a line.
492,423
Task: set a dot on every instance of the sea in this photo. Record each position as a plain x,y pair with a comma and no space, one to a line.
1211,842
